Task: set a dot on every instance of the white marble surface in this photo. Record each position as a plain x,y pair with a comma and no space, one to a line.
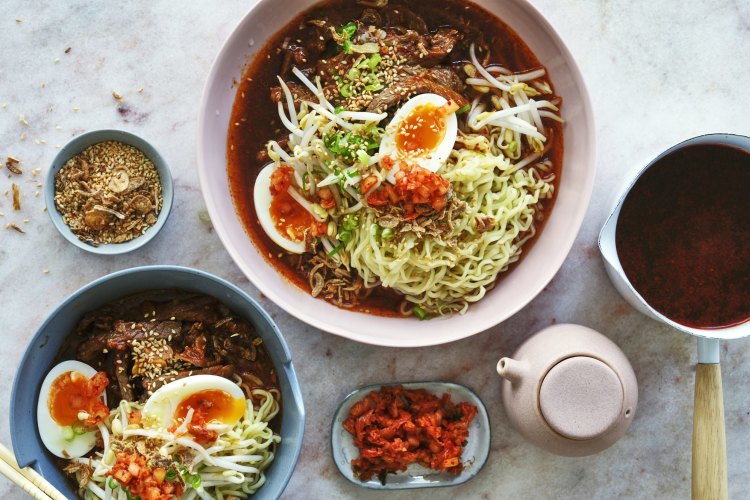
658,72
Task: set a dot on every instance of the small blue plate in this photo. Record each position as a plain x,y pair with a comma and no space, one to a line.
86,140
474,456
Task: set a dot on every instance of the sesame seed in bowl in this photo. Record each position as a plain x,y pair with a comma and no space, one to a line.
108,192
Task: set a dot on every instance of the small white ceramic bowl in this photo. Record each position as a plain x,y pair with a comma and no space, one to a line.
516,290
83,141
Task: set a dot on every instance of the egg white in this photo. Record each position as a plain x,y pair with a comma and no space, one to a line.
159,410
262,198
50,431
431,160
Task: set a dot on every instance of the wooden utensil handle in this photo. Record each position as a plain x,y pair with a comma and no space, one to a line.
709,439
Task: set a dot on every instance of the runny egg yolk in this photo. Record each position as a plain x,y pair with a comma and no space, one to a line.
211,404
421,131
70,394
289,217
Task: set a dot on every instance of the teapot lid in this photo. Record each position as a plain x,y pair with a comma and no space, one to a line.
581,397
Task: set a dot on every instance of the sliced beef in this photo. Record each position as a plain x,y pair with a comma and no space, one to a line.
370,17
424,50
125,332
317,43
299,93
409,86
402,18
262,155
447,78
195,353
122,361
91,348
293,53
201,308
444,75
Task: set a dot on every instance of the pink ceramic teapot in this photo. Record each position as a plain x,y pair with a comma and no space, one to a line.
570,390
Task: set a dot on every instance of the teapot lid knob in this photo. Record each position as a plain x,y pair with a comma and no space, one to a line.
581,398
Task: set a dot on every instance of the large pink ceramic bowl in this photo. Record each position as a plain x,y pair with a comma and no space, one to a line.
516,290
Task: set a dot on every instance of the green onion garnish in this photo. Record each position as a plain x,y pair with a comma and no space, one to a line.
171,475
363,157
348,30
420,313
350,222
68,433
463,109
345,236
336,250
373,61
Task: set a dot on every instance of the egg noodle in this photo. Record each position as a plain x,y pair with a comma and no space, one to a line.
233,465
496,171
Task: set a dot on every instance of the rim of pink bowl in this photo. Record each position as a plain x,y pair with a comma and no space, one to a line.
478,325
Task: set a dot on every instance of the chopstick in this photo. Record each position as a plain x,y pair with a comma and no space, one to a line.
27,478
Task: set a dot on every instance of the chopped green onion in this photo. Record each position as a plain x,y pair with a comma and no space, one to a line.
346,90
68,433
113,485
387,234
363,157
362,64
374,85
348,30
336,250
195,481
420,313
373,61
171,475
345,236
463,109
375,230
347,47
353,74
78,429
319,211
338,109
512,147
350,222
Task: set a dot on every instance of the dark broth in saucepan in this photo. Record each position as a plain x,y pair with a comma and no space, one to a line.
683,236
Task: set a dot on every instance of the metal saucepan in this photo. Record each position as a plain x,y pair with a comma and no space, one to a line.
709,464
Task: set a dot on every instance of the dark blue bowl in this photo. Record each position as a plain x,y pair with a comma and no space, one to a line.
48,339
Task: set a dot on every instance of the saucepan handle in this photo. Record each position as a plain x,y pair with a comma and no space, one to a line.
709,439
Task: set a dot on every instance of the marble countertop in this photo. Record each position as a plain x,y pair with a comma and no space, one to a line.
658,73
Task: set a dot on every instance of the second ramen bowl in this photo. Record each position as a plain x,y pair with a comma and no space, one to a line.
517,289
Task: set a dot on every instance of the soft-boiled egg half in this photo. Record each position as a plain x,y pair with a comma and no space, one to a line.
422,132
64,395
216,398
281,217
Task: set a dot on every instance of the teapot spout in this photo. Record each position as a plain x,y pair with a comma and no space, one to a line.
511,370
